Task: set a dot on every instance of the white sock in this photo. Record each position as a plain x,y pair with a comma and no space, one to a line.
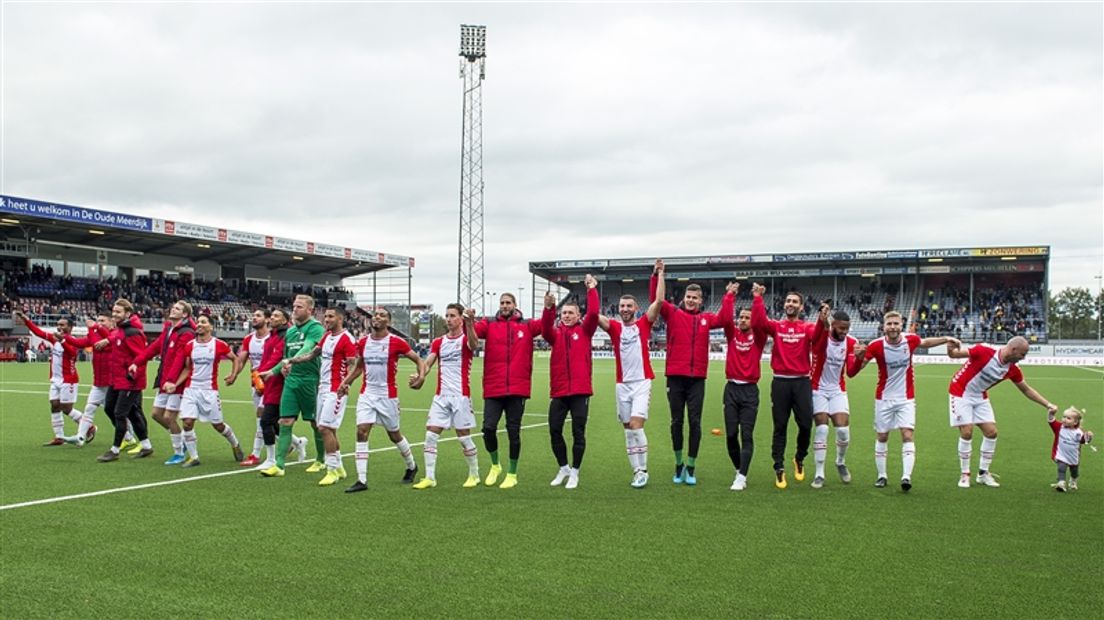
146,445
965,450
129,436
75,415
177,440
190,443
988,447
429,452
630,448
270,455
86,421
362,461
404,451
820,448
843,439
881,450
908,459
641,450
58,422
471,455
741,478
228,433
258,440
333,461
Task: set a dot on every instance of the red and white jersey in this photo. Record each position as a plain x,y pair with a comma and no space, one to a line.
63,356
830,359
981,372
254,344
336,351
895,380
1067,443
205,358
381,363
630,349
454,357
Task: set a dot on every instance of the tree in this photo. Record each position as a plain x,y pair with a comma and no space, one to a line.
1073,314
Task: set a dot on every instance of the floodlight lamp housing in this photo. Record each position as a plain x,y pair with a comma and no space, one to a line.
473,42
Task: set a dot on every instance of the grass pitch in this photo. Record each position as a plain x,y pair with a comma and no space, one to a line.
237,545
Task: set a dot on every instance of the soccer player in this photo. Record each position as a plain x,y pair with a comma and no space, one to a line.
124,399
451,407
301,370
895,396
268,370
176,333
337,349
630,337
834,353
199,378
986,365
569,377
252,349
688,328
741,393
1066,451
507,380
378,360
63,375
791,388
97,339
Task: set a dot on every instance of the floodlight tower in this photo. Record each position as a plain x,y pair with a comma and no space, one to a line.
469,281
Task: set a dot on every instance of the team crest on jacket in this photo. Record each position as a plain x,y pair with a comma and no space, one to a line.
704,322
521,334
574,336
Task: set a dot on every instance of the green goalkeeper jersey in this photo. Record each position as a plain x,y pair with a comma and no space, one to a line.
300,339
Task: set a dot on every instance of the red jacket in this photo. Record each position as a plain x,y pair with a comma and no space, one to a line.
569,369
273,353
793,341
745,352
101,359
688,334
128,341
68,353
170,346
507,354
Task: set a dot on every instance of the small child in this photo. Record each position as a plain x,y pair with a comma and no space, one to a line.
1066,452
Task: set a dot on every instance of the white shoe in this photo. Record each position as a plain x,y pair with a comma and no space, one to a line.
572,479
1073,484
640,479
1060,487
987,479
561,476
739,484
265,465
964,481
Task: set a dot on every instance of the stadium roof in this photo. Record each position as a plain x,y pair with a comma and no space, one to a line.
809,264
84,227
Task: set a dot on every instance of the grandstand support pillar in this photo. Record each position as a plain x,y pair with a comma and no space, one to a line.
469,276
971,292
835,290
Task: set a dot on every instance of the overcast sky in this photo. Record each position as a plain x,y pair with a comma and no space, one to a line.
609,130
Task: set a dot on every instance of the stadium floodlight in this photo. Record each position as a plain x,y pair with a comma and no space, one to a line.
473,42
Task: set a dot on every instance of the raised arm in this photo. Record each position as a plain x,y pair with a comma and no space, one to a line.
548,318
472,335
590,319
759,320
955,350
928,343
856,359
728,306
35,329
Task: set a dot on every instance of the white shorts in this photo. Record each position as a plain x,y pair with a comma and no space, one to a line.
97,395
168,402
965,412
258,399
330,411
451,412
64,392
201,404
894,414
633,398
830,402
378,410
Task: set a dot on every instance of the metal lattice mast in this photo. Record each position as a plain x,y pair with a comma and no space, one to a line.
473,54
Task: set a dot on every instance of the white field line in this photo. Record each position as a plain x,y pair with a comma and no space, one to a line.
247,470
351,406
1091,369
